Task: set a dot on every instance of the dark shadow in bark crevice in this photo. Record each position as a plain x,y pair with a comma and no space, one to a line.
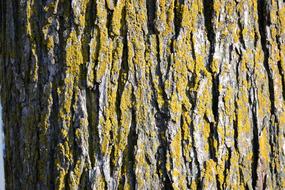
151,7
132,143
263,22
208,20
178,16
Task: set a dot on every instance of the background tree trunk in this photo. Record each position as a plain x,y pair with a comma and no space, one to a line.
143,94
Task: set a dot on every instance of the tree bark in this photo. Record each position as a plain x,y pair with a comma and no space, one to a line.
143,94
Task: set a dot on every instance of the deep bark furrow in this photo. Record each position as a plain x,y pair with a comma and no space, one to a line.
263,23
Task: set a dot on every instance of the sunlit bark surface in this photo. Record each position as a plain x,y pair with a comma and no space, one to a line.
143,94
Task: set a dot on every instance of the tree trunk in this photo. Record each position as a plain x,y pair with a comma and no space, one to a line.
143,94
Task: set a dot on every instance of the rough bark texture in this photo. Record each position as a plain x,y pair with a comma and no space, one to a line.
143,94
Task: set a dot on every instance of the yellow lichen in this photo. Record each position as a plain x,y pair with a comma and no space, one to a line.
264,146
